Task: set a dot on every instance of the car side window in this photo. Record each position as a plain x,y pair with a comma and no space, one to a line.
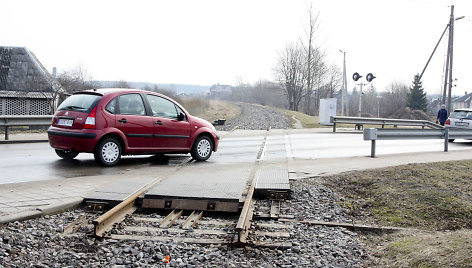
131,104
161,107
111,106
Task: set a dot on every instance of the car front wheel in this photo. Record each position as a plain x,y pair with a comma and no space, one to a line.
108,153
66,154
202,148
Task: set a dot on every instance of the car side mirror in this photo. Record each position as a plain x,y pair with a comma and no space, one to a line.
181,117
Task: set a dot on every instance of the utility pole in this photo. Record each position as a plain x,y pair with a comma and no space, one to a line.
450,48
344,87
448,57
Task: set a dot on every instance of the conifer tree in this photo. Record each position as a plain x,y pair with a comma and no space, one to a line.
417,97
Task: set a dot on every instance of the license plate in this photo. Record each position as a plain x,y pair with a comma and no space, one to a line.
65,122
462,124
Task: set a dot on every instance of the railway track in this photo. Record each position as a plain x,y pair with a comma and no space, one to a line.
193,227
126,222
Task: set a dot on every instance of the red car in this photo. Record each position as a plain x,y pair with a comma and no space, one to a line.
113,122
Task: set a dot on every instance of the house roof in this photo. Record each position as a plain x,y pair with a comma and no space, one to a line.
24,94
220,88
20,70
465,98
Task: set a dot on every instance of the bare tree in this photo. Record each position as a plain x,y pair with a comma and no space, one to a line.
75,80
301,70
394,99
121,84
290,74
369,101
333,81
354,101
314,66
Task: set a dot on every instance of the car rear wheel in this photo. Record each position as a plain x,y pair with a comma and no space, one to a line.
108,153
202,148
66,154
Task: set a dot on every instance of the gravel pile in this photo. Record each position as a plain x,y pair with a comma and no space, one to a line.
41,243
256,117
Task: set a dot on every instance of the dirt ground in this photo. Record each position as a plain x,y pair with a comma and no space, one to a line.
433,202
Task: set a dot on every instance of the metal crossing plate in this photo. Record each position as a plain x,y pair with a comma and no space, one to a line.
199,188
273,177
116,191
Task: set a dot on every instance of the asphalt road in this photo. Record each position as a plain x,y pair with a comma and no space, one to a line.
37,161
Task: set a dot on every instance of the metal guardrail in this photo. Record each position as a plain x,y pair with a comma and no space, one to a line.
23,120
359,121
374,134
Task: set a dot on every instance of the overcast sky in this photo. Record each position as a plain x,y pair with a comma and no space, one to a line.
208,42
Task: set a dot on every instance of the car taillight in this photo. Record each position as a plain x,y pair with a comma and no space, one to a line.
90,121
448,122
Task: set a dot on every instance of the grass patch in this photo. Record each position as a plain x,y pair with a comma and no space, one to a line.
423,249
196,106
307,121
217,109
434,198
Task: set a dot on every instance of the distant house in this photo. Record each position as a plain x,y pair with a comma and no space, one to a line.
434,107
26,87
462,102
220,91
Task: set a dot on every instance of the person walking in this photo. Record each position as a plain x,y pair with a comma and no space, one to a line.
442,115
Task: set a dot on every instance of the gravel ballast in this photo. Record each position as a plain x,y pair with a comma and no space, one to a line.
255,117
41,242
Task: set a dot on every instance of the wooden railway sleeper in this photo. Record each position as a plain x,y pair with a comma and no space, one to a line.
170,219
192,220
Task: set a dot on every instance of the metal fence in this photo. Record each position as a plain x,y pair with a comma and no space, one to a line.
360,121
447,134
23,120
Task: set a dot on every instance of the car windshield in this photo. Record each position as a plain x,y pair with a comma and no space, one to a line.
79,102
461,115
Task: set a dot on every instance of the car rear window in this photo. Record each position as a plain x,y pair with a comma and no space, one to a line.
79,102
461,115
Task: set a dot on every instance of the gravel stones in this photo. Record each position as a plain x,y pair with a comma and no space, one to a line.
256,117
40,242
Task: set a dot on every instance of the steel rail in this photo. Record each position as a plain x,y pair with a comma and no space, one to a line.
105,222
244,222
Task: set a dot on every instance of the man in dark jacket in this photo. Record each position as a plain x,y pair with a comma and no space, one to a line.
442,115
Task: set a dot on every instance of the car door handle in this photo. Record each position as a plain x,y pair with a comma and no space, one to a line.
158,123
122,120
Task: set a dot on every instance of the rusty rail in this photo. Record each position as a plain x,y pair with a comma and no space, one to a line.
105,222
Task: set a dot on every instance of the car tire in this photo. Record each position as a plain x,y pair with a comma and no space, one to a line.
108,152
66,154
451,140
202,148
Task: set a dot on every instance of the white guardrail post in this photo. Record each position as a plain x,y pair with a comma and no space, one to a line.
446,139
371,134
